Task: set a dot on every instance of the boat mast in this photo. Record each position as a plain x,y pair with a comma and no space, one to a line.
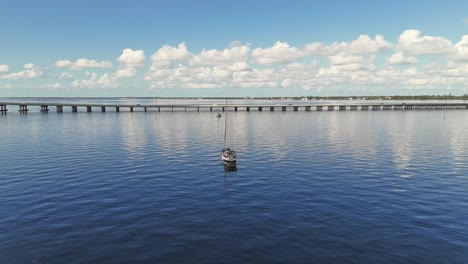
225,123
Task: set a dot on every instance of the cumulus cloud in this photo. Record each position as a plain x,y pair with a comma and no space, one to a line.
315,66
82,63
237,66
87,83
299,75
107,81
227,57
54,85
196,77
166,63
125,73
343,58
400,58
462,50
130,60
4,68
65,75
168,55
280,53
362,45
93,81
30,72
257,78
282,66
411,43
29,66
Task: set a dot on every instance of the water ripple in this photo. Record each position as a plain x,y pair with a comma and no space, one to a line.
309,187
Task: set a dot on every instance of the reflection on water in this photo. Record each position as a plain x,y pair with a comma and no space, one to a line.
322,186
133,134
229,166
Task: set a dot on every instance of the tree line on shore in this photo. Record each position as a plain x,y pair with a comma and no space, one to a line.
344,97
393,97
305,97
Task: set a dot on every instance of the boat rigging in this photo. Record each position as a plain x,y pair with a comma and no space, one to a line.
228,155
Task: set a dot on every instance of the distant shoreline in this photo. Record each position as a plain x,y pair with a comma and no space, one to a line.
335,98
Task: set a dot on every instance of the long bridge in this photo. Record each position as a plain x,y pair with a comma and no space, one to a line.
73,107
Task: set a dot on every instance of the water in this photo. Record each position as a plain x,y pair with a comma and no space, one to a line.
310,187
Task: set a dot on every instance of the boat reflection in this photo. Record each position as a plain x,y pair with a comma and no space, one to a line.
229,166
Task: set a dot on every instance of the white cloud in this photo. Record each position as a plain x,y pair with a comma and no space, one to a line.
400,58
237,66
315,66
130,60
430,77
30,72
107,81
208,69
196,77
198,85
465,21
349,67
54,85
164,64
4,68
7,86
82,63
354,67
462,50
298,75
125,73
230,67
411,43
257,78
167,55
104,81
362,45
87,83
63,63
226,57
65,75
317,48
280,53
343,58
215,68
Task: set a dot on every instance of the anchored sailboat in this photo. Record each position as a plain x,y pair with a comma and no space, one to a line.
228,155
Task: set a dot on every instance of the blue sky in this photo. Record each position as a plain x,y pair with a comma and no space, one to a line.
235,48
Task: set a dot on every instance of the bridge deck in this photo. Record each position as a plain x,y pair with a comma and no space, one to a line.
23,106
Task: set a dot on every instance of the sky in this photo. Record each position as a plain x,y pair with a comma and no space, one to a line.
240,48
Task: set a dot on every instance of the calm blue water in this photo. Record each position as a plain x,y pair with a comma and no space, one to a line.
310,187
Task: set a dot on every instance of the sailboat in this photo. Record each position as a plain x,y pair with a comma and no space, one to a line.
228,155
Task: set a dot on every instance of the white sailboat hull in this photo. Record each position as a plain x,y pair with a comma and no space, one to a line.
228,155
